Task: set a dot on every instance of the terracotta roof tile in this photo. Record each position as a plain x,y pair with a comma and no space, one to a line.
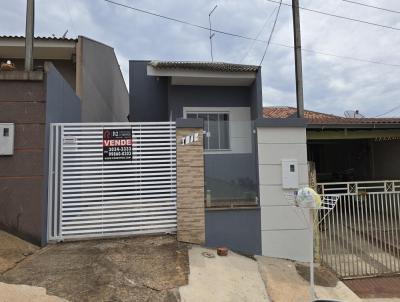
39,38
319,118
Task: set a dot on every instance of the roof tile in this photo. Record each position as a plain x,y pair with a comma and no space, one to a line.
205,66
319,118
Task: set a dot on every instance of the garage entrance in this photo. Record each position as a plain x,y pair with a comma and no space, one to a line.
360,237
111,179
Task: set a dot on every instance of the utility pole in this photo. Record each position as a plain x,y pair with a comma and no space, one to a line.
297,58
29,34
211,34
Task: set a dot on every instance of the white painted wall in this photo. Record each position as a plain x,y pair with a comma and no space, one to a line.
284,231
239,127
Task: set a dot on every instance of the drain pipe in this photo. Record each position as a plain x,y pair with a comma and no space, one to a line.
29,34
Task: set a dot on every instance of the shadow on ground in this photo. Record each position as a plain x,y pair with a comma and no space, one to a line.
134,269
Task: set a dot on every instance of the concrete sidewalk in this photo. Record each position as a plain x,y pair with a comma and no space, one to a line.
223,279
25,293
285,284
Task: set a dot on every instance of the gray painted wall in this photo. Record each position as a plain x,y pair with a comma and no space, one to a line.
154,98
256,101
104,95
237,229
205,96
62,106
148,97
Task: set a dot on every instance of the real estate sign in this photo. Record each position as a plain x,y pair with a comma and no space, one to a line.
117,144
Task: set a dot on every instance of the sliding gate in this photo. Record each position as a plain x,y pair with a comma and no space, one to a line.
111,179
361,236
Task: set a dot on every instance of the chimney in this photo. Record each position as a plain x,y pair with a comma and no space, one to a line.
29,34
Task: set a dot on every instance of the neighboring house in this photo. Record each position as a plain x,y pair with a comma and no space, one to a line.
90,67
349,149
74,80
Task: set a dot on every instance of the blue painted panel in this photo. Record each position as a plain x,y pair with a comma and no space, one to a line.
237,229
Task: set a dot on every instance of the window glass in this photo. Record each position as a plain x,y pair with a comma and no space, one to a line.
205,118
216,128
223,131
191,115
213,129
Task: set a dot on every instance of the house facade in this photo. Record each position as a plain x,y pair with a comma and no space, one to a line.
74,80
254,156
243,194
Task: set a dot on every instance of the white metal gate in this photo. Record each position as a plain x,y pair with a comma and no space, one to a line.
90,197
360,237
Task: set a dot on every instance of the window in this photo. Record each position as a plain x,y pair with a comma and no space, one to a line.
216,126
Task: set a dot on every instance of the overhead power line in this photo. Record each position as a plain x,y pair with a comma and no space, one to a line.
250,38
338,16
389,111
372,6
272,32
180,21
258,34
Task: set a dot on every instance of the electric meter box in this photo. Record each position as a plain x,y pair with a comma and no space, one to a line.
290,174
6,138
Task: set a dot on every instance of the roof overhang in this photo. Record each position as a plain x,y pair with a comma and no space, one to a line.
185,76
365,126
55,49
348,134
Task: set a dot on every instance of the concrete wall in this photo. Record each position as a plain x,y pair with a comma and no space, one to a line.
31,105
238,229
282,226
21,174
148,97
67,68
100,83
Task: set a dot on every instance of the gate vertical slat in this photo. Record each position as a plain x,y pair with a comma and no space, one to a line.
396,223
50,209
61,204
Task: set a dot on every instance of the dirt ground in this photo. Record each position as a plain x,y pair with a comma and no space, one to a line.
142,268
13,250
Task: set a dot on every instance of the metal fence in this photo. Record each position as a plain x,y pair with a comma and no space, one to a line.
360,237
92,197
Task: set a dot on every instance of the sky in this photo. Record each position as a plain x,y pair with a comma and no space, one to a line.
331,84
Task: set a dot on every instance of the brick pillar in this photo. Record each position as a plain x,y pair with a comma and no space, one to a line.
190,185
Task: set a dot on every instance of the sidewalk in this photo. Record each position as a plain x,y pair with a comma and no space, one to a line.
223,279
285,284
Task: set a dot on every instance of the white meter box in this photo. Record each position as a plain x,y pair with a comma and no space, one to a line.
7,138
290,174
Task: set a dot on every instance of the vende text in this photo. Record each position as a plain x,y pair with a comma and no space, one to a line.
117,142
